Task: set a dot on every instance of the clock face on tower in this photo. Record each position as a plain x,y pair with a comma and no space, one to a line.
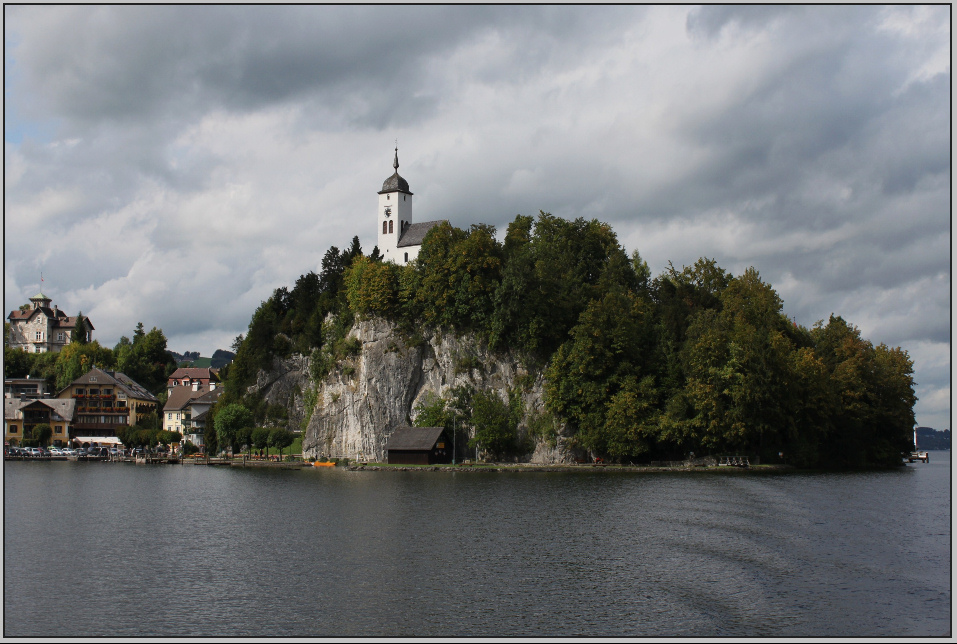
388,211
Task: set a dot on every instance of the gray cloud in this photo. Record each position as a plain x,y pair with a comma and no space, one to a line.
185,161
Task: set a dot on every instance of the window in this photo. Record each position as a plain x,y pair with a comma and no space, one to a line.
39,335
94,392
37,350
385,227
80,391
387,197
406,258
13,429
390,225
92,379
169,416
108,392
58,429
60,336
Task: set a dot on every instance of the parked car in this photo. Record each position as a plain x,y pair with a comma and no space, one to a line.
81,451
55,451
69,451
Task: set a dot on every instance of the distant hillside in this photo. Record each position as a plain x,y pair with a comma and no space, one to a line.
932,439
193,359
221,358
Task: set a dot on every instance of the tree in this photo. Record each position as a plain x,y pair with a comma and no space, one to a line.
372,288
495,425
229,421
146,359
41,434
281,438
16,363
77,359
260,438
81,330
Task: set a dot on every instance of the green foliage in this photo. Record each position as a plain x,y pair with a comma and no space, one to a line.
635,366
281,438
40,434
77,359
496,424
145,359
16,363
260,437
432,413
232,421
544,427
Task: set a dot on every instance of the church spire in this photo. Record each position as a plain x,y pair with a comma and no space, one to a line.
395,164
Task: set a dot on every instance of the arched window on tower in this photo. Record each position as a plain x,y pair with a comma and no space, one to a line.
385,228
390,225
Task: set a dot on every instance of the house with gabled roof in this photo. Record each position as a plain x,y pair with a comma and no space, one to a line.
22,414
105,401
419,446
40,328
196,378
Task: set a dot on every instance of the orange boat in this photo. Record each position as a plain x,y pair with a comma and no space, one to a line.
328,464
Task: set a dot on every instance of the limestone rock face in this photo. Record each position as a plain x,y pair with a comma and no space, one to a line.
368,395
286,384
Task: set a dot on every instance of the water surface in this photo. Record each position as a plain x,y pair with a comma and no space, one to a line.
102,549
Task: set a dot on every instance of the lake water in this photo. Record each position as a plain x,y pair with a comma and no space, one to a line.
121,550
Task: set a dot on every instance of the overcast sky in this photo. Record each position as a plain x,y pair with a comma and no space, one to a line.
175,164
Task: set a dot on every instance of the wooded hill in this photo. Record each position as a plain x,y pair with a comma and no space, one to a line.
639,367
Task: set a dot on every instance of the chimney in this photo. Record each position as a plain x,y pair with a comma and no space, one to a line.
195,385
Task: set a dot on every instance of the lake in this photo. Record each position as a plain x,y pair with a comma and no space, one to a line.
122,550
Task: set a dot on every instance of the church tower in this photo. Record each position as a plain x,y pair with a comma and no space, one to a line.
394,215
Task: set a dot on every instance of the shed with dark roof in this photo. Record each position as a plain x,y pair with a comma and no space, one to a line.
419,446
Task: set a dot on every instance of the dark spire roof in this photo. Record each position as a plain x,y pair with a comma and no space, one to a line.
395,183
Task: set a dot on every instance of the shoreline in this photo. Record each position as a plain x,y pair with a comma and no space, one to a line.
519,467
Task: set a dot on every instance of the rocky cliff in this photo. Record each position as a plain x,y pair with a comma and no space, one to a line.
353,411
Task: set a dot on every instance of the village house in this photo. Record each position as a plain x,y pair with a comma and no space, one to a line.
199,413
106,401
39,328
29,387
22,414
196,378
183,403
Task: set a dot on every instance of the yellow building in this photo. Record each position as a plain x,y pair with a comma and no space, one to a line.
105,401
21,415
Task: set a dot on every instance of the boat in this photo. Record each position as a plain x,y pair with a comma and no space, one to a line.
326,464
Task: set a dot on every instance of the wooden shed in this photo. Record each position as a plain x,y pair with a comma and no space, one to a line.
419,446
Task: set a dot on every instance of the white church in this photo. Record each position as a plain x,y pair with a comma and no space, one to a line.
399,239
